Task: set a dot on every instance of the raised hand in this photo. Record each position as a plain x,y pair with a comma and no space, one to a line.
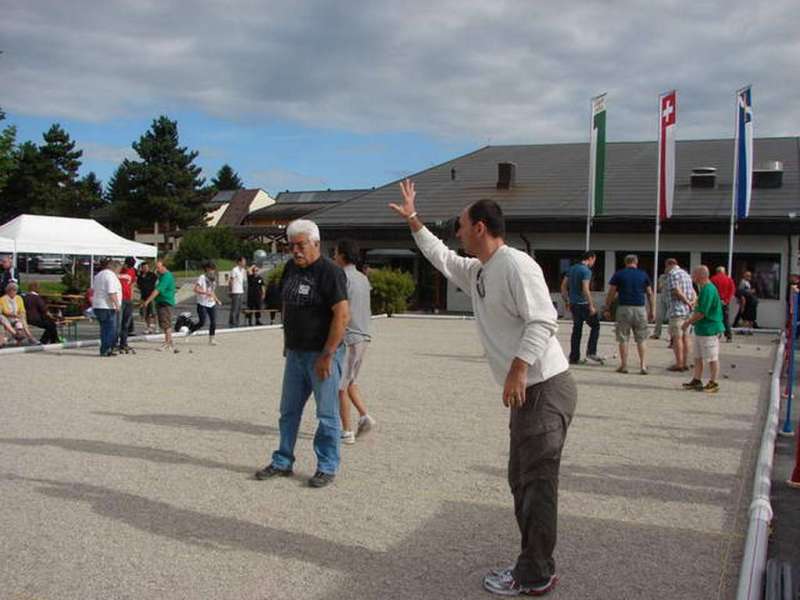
406,209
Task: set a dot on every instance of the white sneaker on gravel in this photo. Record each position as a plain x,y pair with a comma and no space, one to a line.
598,360
212,341
365,425
348,437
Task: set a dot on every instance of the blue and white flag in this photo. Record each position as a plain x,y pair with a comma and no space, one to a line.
743,154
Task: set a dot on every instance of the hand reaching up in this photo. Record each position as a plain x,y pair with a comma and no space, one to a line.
407,208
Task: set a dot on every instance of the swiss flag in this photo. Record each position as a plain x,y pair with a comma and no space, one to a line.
667,118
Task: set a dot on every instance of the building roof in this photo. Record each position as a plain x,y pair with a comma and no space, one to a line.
222,197
238,207
294,205
551,183
280,212
318,196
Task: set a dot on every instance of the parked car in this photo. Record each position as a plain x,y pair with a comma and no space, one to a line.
44,263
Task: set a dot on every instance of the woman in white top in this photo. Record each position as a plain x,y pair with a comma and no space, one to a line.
205,291
106,299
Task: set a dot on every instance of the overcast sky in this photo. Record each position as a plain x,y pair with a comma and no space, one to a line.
300,94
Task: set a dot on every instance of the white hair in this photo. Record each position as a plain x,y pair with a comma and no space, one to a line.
303,227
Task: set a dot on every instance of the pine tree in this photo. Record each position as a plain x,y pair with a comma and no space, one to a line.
163,185
27,187
227,179
63,192
8,138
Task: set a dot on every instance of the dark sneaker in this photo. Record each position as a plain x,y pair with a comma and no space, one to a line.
321,479
694,384
712,387
502,584
269,472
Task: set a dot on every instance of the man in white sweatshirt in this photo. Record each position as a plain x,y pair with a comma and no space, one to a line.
517,324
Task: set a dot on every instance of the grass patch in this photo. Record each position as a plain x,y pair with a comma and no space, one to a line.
223,264
47,287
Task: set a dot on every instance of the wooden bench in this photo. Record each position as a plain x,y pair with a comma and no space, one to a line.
272,313
68,327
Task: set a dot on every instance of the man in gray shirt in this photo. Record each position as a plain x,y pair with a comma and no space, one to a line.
356,338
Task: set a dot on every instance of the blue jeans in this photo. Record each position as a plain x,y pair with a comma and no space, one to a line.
299,380
124,320
202,313
580,315
108,328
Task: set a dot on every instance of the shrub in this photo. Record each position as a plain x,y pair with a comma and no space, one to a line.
76,284
198,245
275,274
390,290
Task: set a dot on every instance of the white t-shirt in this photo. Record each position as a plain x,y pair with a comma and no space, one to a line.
512,306
202,299
105,282
238,275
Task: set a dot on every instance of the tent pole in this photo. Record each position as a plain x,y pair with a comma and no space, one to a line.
91,270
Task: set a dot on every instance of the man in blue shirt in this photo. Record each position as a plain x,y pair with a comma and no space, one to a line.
575,289
635,292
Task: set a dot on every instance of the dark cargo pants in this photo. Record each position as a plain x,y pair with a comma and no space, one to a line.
538,432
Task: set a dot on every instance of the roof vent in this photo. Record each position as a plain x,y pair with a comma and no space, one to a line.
506,175
768,175
703,177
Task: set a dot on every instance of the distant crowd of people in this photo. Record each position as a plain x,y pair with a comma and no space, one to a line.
699,301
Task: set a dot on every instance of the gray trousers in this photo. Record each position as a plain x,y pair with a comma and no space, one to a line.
538,432
662,306
236,310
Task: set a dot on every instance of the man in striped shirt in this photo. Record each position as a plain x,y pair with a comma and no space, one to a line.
681,301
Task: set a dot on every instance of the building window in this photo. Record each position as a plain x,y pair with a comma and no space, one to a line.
766,270
555,263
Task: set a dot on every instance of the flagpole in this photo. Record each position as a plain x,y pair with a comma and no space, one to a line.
658,207
733,187
589,191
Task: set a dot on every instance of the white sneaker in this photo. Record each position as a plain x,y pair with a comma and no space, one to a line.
599,360
348,437
163,347
365,424
212,341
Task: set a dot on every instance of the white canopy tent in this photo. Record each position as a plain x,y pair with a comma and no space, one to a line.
6,245
62,235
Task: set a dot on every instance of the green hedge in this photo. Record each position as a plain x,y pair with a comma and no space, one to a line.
391,290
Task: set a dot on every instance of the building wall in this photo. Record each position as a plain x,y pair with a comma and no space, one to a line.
213,217
262,200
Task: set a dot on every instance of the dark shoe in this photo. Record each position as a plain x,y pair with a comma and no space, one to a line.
676,369
269,472
712,387
321,479
694,384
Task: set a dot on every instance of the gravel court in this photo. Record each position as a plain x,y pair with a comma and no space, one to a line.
132,477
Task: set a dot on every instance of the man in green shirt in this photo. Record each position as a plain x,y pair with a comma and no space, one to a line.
708,325
164,297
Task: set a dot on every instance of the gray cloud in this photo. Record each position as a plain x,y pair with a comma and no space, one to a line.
506,71
106,152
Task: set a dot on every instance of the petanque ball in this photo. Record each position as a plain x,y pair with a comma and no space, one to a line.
733,366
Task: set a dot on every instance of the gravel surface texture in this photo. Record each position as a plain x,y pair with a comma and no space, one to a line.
131,477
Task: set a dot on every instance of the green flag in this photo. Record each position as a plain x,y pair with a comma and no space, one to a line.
597,156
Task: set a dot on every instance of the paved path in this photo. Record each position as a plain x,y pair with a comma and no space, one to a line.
131,477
